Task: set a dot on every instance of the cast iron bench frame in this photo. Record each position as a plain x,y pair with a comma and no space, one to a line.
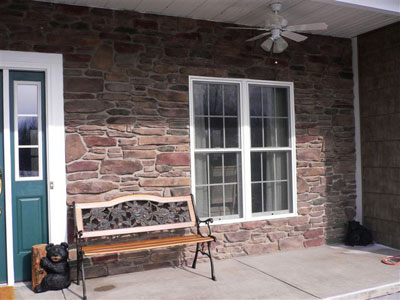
82,233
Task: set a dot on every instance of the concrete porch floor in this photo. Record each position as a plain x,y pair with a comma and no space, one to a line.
327,272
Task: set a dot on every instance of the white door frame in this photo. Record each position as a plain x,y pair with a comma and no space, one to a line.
52,65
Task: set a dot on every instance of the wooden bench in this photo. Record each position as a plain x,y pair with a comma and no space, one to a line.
135,214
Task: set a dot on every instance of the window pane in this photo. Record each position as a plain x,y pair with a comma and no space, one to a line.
231,167
231,133
281,102
255,166
201,168
215,99
256,132
215,161
217,203
217,137
269,132
27,130
231,200
28,162
282,132
201,129
256,198
202,201
268,101
255,100
27,99
200,99
268,166
281,163
281,196
231,97
269,196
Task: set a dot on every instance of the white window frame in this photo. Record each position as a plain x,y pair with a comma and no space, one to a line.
245,145
16,134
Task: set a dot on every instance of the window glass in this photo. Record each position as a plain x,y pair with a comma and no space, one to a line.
27,116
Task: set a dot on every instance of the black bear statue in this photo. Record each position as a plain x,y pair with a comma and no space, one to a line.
56,265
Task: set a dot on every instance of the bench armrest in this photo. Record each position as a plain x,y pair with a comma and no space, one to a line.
207,222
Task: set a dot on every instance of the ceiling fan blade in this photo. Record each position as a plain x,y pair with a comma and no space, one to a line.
252,28
307,27
293,36
267,44
258,36
280,45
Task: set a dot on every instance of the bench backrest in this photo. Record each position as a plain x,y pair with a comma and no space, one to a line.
133,214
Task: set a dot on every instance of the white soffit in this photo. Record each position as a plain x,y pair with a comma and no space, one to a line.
345,18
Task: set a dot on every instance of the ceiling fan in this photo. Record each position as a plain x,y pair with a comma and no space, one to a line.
277,26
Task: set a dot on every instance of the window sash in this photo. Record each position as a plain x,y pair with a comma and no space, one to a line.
245,148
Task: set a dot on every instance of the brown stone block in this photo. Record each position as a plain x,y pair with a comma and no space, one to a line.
302,185
80,166
173,113
164,181
163,140
291,243
120,167
253,225
277,222
275,236
74,147
173,159
315,242
157,266
240,236
82,176
79,84
308,154
313,233
88,106
90,187
146,154
310,171
295,221
92,141
163,95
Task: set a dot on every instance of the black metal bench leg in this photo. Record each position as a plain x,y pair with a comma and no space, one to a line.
78,266
211,262
83,280
195,256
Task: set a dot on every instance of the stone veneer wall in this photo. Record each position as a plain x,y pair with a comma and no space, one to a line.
379,69
126,115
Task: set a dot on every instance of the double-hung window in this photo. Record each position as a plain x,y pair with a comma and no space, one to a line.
242,148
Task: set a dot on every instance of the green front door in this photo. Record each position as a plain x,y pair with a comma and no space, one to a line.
28,166
3,257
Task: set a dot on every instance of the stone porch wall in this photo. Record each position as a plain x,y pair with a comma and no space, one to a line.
127,121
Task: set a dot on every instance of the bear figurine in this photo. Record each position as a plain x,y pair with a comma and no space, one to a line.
56,265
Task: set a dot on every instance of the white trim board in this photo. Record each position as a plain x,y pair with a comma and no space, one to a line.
52,65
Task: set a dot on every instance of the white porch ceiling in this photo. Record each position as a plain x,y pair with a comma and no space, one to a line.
345,18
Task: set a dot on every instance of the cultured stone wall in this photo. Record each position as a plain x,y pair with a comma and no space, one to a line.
127,120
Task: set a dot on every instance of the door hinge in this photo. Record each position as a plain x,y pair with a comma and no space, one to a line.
51,185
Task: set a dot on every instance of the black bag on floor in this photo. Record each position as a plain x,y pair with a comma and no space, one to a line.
357,235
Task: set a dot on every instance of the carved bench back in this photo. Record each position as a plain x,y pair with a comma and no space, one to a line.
133,214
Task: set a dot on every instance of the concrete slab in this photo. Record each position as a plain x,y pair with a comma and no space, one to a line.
323,272
330,271
234,281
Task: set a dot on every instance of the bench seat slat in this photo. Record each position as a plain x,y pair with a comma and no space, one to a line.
97,250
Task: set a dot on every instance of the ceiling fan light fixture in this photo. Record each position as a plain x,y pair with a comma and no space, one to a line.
267,44
280,45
